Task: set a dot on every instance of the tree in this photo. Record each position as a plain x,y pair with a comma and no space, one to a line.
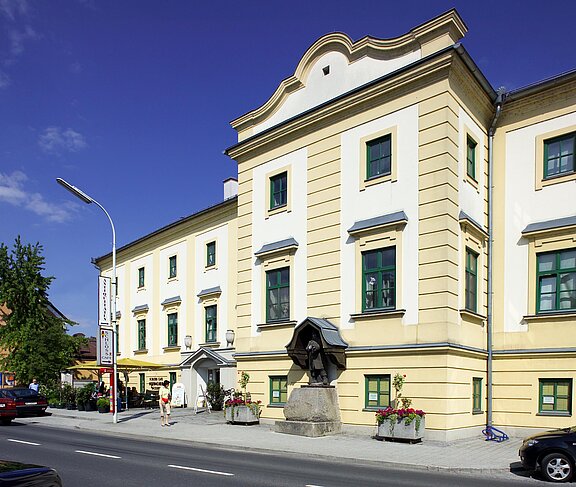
33,337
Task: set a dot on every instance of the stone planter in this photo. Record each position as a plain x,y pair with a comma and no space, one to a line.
399,430
241,415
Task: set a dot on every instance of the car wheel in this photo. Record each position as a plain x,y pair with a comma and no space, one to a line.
557,467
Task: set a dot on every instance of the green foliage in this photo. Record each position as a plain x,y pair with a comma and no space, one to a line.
398,384
215,395
103,402
35,338
68,394
84,394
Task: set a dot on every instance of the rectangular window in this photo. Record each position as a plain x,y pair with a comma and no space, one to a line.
476,395
379,279
377,391
471,157
173,270
278,390
555,396
556,285
172,379
211,317
142,383
141,277
210,254
279,190
471,284
559,155
141,334
278,295
173,329
379,156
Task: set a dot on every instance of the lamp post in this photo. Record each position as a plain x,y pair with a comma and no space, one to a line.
87,199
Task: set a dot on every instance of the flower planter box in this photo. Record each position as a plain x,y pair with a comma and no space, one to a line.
241,415
399,430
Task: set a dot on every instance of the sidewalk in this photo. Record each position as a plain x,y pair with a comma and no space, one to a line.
473,455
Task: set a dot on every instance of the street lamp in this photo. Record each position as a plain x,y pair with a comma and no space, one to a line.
87,199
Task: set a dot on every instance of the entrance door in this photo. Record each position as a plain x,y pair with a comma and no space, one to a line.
214,376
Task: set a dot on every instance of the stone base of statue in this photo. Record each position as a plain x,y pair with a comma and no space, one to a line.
311,411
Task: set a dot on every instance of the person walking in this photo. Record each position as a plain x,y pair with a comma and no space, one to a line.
164,398
34,385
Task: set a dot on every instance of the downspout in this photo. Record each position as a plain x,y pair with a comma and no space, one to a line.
498,106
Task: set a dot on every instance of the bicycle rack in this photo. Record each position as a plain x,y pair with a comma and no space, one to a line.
494,434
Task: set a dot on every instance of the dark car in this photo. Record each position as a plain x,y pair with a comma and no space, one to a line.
28,402
7,410
17,474
553,453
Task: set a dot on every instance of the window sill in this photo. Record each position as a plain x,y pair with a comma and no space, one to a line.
210,345
379,313
141,351
173,279
139,289
477,412
276,324
210,268
372,181
277,405
276,210
171,348
553,413
473,316
373,409
552,315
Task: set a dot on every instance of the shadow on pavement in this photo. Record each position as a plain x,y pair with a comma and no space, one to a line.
125,419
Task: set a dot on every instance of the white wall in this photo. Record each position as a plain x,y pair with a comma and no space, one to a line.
524,205
381,199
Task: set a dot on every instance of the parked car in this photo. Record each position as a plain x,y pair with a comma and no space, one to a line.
17,474
7,410
27,401
552,453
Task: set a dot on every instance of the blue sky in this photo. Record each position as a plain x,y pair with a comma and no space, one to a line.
131,101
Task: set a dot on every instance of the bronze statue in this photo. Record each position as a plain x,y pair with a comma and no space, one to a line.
316,367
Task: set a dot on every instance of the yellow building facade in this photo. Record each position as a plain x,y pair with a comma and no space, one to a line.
387,188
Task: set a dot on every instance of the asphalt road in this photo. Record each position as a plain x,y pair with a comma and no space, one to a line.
86,459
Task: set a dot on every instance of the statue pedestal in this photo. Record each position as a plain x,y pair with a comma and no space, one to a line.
311,411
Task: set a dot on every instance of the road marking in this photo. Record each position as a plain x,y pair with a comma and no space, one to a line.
23,442
312,485
202,470
96,454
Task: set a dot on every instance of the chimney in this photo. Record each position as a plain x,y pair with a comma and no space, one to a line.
230,188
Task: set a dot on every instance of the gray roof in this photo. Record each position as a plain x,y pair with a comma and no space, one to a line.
329,331
212,290
378,221
465,216
141,307
174,299
272,247
550,224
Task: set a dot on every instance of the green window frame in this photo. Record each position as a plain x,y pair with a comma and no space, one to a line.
278,295
559,154
173,329
142,377
556,281
172,380
377,393
471,157
379,279
210,254
172,266
141,334
471,281
476,394
555,396
379,157
279,190
211,319
141,277
278,389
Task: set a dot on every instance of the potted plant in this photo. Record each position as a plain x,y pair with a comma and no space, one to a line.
80,400
400,423
92,396
69,396
216,395
240,409
103,404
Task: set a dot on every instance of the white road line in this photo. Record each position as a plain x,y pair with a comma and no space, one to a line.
312,485
202,470
23,442
96,454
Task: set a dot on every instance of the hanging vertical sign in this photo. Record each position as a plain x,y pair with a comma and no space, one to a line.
104,301
105,346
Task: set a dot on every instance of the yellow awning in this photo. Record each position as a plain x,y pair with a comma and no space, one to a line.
124,365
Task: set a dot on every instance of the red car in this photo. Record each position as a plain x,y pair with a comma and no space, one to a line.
7,410
26,401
